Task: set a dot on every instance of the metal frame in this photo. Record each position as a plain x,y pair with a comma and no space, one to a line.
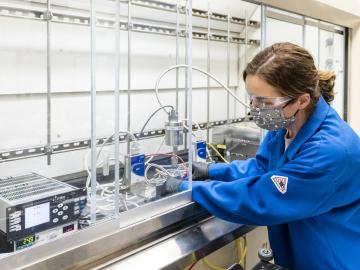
228,67
58,148
346,75
177,55
295,13
88,247
263,45
48,17
189,87
129,30
186,77
208,69
143,26
93,140
117,107
320,25
105,92
36,13
245,56
302,21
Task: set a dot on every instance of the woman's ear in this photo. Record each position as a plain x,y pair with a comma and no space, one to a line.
304,100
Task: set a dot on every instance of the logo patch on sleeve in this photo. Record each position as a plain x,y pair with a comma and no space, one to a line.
280,182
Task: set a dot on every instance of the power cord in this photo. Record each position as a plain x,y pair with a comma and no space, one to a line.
217,152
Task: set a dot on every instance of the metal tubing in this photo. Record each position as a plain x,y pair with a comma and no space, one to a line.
245,55
99,92
263,44
318,59
228,68
61,148
303,32
177,55
129,75
32,13
93,110
189,84
207,77
117,107
48,76
187,34
238,68
176,148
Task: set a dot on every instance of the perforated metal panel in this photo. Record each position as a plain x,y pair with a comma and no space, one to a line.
30,187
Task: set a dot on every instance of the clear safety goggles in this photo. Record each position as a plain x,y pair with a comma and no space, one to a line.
268,102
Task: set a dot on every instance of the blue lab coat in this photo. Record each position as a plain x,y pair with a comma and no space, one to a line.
308,195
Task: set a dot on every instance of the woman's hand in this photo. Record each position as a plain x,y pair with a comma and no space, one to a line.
200,171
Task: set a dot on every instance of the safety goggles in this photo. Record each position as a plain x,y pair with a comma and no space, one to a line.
268,102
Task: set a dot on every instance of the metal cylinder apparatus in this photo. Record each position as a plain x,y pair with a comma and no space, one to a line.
174,130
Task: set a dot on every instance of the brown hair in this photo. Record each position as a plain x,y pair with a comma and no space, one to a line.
291,69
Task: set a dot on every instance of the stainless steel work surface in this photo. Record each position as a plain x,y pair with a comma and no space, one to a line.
178,250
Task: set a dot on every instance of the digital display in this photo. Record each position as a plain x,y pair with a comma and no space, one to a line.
26,241
68,228
37,214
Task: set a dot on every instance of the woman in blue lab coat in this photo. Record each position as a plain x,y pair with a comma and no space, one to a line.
304,183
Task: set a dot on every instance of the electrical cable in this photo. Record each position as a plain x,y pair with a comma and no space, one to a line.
150,165
161,168
242,249
196,123
211,265
192,265
152,115
194,262
157,150
217,152
244,253
171,155
201,71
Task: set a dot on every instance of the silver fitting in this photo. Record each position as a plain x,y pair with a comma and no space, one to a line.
49,149
48,15
173,130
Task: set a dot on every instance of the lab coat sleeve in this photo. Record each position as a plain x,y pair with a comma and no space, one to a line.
312,180
243,168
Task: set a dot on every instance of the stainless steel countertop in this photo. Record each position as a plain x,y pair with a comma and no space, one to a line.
162,241
180,250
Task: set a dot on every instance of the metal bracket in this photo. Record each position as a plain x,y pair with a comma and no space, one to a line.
16,154
49,150
48,15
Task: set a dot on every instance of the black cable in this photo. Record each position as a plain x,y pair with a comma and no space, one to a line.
152,115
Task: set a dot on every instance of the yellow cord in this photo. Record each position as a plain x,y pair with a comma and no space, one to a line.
217,152
242,249
212,266
193,260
